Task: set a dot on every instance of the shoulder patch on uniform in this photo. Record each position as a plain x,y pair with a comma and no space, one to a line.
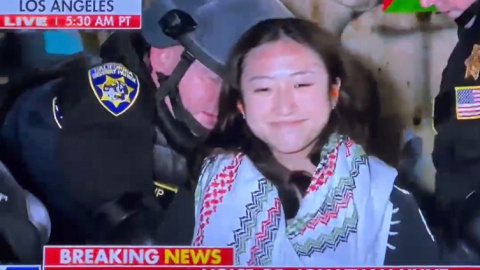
115,87
56,112
164,186
165,193
467,102
472,63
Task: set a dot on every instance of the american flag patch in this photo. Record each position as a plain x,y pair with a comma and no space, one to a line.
468,102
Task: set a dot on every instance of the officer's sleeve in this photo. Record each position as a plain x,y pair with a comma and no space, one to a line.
468,21
179,220
106,140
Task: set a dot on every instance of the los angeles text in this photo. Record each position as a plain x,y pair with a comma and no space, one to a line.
87,6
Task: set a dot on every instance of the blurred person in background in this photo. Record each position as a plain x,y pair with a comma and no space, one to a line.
41,49
24,53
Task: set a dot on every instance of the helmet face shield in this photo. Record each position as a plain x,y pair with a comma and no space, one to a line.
220,23
216,27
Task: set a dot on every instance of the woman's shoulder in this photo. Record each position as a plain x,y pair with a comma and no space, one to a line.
402,198
382,175
216,163
238,163
409,223
408,209
398,196
378,166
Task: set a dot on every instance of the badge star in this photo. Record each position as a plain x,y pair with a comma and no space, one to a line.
473,63
109,81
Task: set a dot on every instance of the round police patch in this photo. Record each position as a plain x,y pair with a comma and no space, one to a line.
115,87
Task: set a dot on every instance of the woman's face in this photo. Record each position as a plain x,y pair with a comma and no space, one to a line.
286,95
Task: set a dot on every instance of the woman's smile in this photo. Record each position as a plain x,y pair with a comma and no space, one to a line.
287,123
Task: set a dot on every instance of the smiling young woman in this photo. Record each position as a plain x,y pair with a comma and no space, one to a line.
288,177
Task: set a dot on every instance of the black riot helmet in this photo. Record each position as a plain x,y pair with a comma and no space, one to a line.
207,29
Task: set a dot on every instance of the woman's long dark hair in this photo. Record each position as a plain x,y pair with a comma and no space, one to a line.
232,133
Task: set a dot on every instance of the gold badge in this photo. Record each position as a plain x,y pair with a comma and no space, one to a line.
473,63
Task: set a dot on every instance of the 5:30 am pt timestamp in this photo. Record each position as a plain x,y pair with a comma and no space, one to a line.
70,21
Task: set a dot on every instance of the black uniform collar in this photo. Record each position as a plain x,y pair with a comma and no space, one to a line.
468,14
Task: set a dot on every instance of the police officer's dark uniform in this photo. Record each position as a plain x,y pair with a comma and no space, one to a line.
456,153
457,145
83,141
86,167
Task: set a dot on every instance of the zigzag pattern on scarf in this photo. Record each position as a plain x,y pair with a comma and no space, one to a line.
261,253
206,165
248,222
331,241
321,176
336,200
348,145
326,166
359,160
216,189
327,150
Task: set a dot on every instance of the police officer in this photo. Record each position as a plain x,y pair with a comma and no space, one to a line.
83,141
24,223
456,153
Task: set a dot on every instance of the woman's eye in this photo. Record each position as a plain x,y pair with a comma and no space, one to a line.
299,85
258,90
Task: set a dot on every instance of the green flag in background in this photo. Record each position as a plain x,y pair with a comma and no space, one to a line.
405,6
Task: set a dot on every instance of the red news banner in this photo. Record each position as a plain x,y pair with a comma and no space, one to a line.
70,14
173,258
117,258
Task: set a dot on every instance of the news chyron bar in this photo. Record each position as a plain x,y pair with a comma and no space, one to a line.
178,258
71,14
182,258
